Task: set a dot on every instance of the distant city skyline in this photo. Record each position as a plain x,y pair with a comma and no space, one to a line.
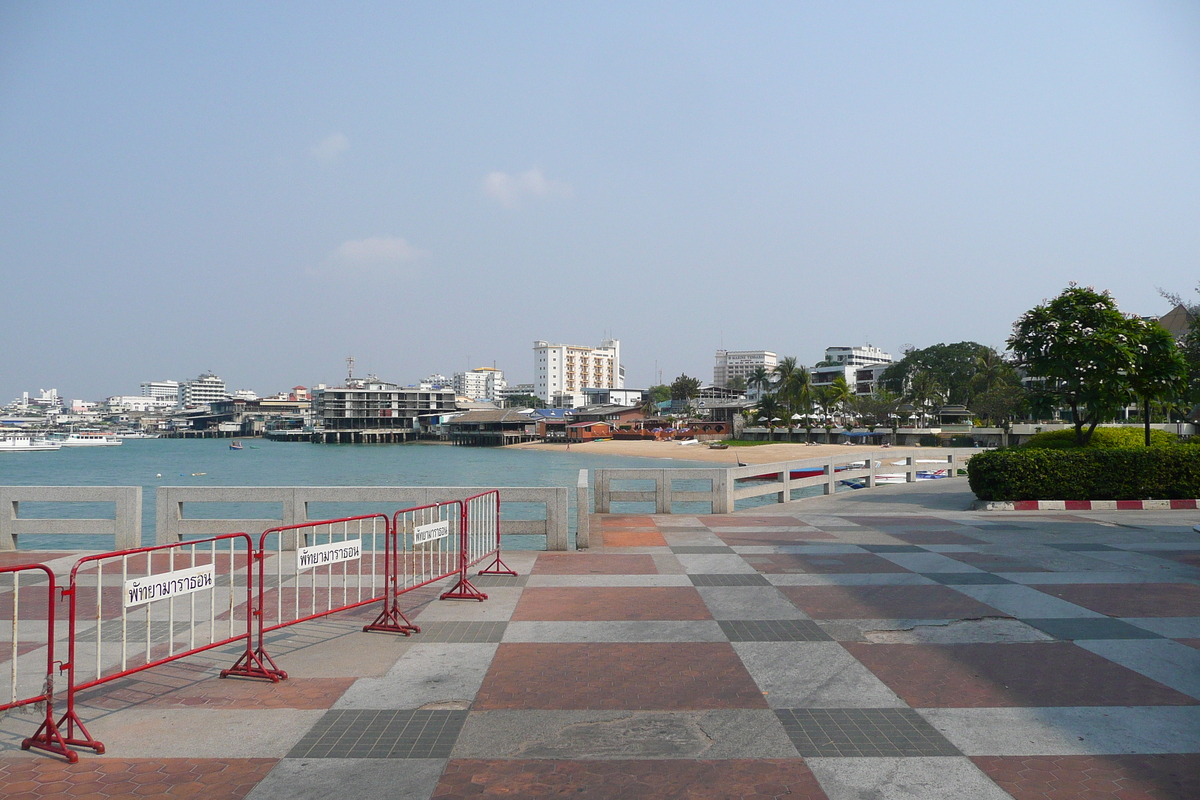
262,190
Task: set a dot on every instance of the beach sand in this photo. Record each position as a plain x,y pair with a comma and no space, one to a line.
757,454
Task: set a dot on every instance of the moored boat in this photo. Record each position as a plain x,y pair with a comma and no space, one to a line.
89,439
25,443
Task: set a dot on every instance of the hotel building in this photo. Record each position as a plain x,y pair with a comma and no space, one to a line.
563,371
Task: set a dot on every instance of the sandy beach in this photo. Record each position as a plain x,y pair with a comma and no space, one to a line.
758,454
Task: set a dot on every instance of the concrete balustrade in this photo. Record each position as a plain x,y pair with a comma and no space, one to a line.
725,489
125,526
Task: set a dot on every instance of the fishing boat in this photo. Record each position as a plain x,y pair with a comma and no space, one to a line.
235,446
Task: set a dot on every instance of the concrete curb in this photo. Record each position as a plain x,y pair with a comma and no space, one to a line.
1085,505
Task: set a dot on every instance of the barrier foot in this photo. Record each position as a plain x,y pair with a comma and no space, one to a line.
497,567
69,723
464,590
51,740
392,620
254,664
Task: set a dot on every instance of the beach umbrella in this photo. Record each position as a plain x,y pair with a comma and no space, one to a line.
797,416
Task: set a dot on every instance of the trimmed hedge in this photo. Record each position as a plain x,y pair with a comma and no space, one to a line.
1125,473
1126,436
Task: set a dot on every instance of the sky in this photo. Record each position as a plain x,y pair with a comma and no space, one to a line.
261,190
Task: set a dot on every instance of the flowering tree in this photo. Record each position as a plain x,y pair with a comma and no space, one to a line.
1084,349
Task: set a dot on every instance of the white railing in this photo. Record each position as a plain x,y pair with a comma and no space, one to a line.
727,485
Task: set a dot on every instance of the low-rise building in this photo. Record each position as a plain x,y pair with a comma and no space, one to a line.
376,411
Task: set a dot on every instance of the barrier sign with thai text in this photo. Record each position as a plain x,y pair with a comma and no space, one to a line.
322,555
169,584
423,534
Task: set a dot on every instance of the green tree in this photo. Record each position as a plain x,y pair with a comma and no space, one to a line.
1083,348
1000,405
684,387
737,383
877,408
659,393
951,366
840,395
770,413
1159,370
925,392
524,401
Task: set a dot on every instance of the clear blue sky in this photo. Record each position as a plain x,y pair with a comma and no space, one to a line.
263,189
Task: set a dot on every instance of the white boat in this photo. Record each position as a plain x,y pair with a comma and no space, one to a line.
25,443
89,439
134,435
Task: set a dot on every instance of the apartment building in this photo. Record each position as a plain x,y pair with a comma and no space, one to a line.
205,390
563,371
482,383
862,367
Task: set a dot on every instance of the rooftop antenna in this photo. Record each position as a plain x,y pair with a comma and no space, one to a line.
349,367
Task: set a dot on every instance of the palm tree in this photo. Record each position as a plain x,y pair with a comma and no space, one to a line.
924,392
759,379
840,395
771,411
783,371
796,391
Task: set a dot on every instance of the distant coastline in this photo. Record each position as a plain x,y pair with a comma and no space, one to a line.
758,454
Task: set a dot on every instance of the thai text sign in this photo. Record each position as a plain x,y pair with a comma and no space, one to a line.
431,532
168,584
321,555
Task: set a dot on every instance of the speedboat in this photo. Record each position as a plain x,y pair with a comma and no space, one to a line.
25,443
89,439
235,445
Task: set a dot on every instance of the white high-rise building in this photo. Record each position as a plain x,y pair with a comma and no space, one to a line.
482,383
206,389
563,371
741,364
167,389
856,356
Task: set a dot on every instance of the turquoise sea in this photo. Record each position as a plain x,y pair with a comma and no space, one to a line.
151,463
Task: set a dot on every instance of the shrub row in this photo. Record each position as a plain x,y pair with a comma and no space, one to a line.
1125,436
1123,473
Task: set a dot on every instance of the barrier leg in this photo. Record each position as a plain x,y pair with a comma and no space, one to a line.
50,739
69,723
392,620
497,567
255,664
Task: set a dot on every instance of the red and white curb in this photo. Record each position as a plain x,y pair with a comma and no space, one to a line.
1087,505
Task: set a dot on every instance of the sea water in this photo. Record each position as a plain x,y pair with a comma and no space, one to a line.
151,463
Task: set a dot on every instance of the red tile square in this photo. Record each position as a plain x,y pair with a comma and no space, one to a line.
593,564
886,602
1009,675
674,676
839,563
747,779
1130,599
1119,777
209,778
599,603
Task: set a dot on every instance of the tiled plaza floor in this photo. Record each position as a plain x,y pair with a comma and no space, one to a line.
790,652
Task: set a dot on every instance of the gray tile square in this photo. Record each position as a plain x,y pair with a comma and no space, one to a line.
893,548
1083,547
461,632
499,580
382,734
701,548
1072,628
773,630
862,732
740,579
965,578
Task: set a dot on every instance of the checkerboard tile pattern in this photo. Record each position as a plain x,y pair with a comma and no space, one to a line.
854,583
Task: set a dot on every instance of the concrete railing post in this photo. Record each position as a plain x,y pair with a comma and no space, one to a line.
662,492
602,491
556,520
831,476
583,517
723,493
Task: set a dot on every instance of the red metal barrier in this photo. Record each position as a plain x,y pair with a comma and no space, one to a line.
28,683
139,597
483,533
318,568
